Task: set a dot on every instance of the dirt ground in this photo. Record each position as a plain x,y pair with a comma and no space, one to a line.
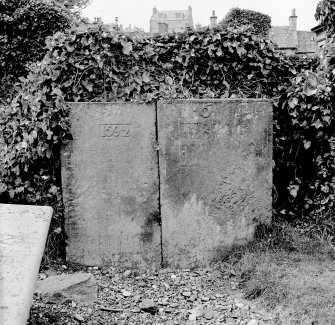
286,281
200,296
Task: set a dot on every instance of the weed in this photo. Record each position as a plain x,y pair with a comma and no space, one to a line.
289,273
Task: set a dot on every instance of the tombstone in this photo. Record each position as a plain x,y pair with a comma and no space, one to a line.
216,176
23,233
110,185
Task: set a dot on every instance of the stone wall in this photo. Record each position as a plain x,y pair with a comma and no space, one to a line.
176,183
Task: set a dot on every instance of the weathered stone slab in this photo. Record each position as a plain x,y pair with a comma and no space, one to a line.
23,232
79,287
216,176
110,185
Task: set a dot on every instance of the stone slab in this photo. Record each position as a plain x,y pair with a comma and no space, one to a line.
23,233
110,185
215,163
79,287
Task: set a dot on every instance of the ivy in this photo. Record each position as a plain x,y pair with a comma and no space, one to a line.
24,25
304,142
100,65
325,14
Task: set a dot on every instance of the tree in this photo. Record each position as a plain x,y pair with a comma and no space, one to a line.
259,22
24,26
75,4
325,14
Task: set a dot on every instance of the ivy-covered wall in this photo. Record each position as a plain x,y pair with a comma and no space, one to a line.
97,65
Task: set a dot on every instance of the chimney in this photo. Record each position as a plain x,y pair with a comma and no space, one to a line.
116,23
213,19
293,21
190,11
154,10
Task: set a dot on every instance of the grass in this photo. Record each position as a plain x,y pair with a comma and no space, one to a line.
290,274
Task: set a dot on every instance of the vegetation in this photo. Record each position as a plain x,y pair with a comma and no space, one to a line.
24,26
288,273
284,269
99,65
260,23
308,139
75,4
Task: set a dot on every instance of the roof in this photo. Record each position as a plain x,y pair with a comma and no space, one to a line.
318,29
306,43
285,38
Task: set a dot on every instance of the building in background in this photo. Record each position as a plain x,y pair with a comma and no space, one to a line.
320,36
170,21
133,29
292,41
97,21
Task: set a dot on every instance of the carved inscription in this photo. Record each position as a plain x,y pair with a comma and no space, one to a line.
189,131
112,131
206,111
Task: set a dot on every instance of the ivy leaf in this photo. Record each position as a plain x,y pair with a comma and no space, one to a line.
53,189
24,144
326,119
293,189
58,230
146,77
87,85
318,124
127,48
57,91
11,193
169,80
310,92
307,144
293,102
3,187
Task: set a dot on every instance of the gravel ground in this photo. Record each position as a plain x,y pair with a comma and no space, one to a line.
165,296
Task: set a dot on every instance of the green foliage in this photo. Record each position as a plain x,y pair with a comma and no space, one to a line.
304,152
325,14
24,25
259,22
74,4
100,65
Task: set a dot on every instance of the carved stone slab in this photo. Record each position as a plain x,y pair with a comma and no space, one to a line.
216,176
110,185
23,232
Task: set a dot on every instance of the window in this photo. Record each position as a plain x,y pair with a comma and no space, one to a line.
179,15
161,15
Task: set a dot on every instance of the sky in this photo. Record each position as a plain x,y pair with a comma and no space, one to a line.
138,12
